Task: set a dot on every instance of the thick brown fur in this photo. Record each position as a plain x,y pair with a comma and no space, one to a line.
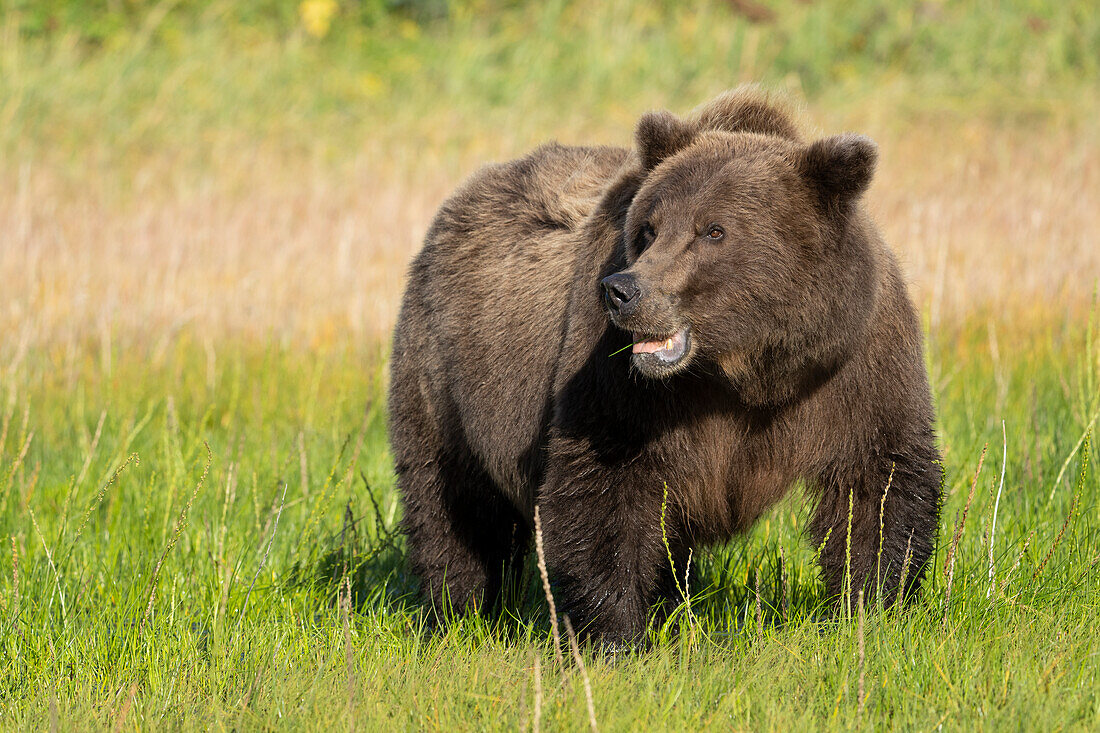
804,362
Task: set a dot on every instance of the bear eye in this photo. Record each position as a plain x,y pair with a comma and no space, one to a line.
648,234
715,232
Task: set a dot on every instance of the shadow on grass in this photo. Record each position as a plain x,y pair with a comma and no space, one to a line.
736,589
363,561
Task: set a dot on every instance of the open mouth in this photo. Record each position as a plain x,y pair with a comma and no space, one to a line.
667,350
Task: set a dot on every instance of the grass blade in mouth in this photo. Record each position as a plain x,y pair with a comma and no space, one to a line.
613,353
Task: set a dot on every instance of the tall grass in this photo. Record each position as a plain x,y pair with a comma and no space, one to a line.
984,218
142,587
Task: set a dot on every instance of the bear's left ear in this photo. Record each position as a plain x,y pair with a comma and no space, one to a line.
840,169
659,135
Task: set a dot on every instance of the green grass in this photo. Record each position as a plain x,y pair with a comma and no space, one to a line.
208,585
197,80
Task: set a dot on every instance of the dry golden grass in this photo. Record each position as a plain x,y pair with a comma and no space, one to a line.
985,217
988,219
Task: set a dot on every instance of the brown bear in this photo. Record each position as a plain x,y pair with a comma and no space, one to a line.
769,339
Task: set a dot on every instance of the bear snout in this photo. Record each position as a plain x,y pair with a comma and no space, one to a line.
621,293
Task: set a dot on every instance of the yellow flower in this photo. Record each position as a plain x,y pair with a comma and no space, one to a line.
317,16
409,30
372,85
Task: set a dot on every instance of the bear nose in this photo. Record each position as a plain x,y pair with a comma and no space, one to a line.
621,291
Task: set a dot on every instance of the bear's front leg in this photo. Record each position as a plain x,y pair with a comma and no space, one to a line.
604,548
897,492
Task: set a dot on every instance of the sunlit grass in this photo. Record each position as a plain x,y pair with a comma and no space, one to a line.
245,624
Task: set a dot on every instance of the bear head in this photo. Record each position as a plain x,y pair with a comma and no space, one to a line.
746,253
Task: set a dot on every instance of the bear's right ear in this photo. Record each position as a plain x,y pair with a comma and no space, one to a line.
659,135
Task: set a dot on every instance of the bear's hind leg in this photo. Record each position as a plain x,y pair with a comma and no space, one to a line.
464,539
463,535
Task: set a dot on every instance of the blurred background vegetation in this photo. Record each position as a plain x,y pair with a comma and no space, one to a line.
127,75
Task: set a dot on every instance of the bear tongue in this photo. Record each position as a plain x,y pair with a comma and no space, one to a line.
649,347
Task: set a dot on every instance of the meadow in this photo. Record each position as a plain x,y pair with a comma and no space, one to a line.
205,216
